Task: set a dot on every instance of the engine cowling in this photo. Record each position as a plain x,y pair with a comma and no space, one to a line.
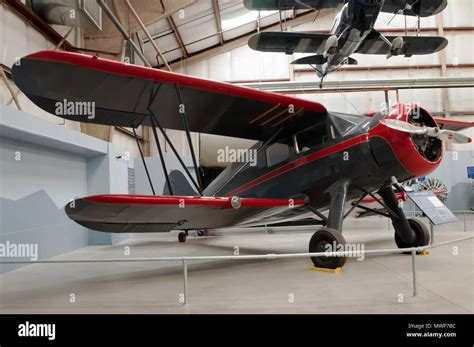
419,154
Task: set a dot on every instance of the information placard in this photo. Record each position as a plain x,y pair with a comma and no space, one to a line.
432,207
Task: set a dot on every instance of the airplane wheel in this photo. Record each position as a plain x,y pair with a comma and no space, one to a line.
200,232
319,242
421,231
182,236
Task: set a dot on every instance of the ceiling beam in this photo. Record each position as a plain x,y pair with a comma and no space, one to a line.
174,28
177,35
217,15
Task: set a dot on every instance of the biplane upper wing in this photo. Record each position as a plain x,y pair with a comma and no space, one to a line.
423,8
144,213
303,42
271,5
123,95
415,7
412,45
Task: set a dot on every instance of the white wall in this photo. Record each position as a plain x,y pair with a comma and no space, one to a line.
19,38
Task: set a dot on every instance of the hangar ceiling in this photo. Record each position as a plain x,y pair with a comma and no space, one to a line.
205,24
110,40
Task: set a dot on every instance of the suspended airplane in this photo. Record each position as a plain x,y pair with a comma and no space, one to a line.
352,32
309,161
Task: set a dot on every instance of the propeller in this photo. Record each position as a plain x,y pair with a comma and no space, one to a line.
448,136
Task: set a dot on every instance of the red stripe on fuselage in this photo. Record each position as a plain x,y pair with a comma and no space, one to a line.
301,161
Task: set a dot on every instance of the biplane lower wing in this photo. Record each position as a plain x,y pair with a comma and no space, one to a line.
303,42
412,45
288,42
148,213
452,124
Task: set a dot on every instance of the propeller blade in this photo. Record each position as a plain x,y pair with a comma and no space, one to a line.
454,137
405,127
448,136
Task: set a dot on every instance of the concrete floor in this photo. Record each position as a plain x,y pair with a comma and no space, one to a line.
374,285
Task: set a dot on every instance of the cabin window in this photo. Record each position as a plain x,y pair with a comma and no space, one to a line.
311,137
342,123
277,153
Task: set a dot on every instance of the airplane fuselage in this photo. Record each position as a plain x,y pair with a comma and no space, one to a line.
367,155
351,26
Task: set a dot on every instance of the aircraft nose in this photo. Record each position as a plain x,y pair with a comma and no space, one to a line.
406,144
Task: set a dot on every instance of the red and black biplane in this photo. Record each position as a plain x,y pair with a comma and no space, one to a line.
309,161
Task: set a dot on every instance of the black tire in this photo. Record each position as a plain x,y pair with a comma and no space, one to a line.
200,232
319,242
421,231
182,236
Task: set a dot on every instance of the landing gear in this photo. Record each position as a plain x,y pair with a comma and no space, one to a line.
201,232
330,237
409,232
422,234
327,240
182,236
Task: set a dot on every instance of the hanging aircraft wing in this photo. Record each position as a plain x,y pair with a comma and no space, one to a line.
288,42
71,85
422,8
412,45
144,213
272,5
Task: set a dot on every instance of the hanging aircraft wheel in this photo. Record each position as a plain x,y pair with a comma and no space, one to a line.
421,231
323,240
182,236
200,232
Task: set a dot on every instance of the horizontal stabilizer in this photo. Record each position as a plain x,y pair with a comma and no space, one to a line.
179,184
310,60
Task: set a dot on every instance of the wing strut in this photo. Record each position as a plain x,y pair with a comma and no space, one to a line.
157,140
182,111
155,123
167,139
143,161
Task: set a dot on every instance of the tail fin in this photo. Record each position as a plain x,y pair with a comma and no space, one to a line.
179,184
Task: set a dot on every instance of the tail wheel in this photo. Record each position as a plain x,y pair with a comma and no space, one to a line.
422,234
327,239
182,236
